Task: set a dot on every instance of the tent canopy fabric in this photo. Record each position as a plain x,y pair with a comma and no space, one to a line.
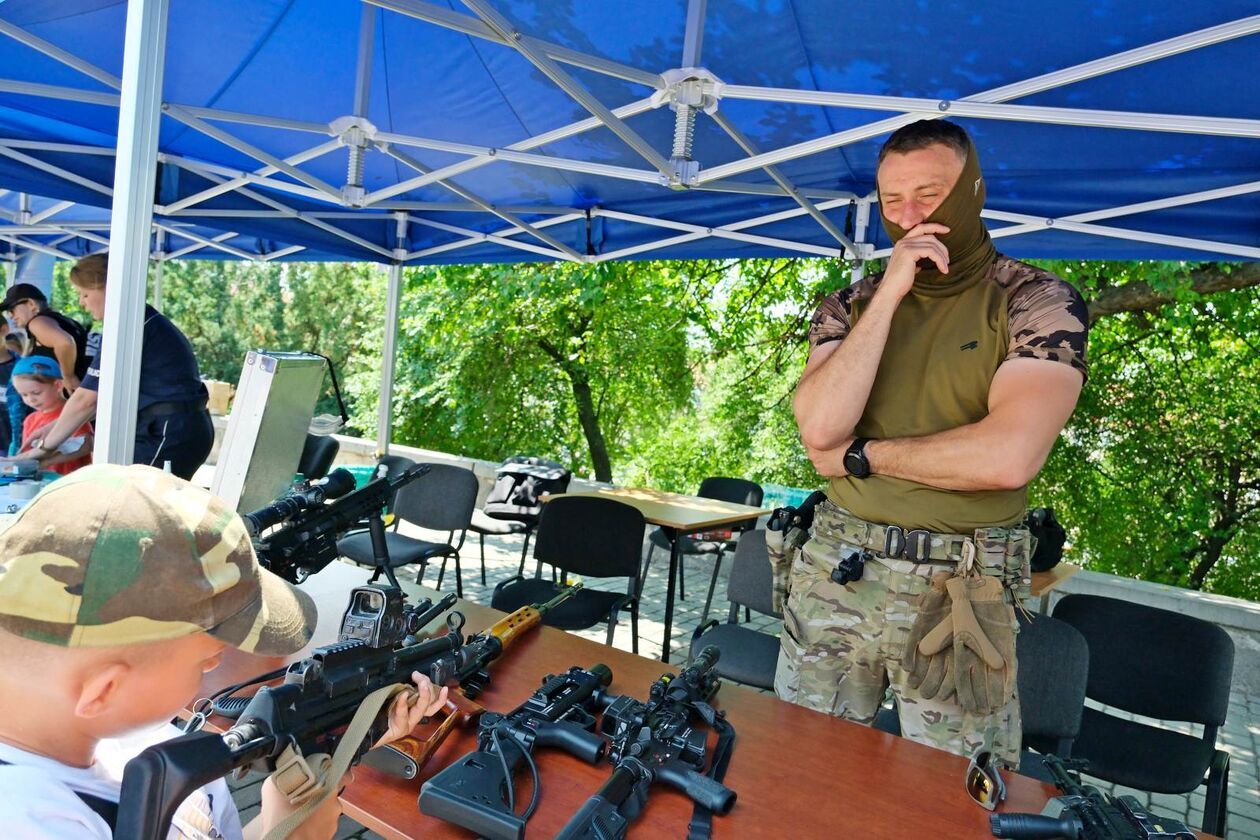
514,130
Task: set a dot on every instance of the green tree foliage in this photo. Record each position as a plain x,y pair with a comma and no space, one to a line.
573,362
1158,474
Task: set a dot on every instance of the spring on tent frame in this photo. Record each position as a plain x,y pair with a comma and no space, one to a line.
684,130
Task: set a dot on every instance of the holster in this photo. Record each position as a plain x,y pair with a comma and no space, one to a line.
787,531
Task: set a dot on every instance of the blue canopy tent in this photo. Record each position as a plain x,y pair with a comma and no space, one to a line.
406,131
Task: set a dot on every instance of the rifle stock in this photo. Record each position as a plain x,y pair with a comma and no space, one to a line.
408,756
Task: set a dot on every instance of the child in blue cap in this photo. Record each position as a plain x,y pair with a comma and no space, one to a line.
37,380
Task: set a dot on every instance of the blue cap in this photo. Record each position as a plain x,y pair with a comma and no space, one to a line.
37,366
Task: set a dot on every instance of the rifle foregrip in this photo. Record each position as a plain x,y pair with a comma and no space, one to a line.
598,819
508,628
1035,826
703,790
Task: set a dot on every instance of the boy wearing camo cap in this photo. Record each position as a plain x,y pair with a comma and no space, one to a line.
119,588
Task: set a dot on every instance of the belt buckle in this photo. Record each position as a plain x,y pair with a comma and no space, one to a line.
918,545
894,541
913,545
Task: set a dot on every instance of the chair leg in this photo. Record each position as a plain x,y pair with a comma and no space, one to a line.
612,625
482,538
524,553
647,564
1215,811
708,601
634,627
441,574
459,578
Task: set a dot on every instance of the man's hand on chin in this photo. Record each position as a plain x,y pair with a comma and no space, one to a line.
830,462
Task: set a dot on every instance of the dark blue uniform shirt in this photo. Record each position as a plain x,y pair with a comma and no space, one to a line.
168,367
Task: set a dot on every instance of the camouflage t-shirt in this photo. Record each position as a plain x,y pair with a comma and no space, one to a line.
943,349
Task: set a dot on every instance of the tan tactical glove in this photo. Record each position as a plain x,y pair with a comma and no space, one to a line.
984,643
927,656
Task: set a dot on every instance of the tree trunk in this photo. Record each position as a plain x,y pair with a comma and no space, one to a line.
590,423
588,416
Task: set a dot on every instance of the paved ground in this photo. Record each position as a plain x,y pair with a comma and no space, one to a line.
1240,736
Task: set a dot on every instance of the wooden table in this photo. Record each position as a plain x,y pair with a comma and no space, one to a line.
676,514
798,773
1044,582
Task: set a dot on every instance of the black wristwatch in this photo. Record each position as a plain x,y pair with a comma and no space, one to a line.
855,459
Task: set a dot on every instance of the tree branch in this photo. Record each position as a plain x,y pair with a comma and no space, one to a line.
1138,296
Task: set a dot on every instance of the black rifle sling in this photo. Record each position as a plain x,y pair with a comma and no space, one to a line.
701,825
103,808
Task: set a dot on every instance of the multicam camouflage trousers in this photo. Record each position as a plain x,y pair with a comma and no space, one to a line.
842,645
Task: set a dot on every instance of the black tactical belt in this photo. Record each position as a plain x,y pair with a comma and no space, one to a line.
163,409
896,543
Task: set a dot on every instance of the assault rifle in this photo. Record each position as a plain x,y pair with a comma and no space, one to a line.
1086,813
477,792
656,742
283,725
468,667
307,542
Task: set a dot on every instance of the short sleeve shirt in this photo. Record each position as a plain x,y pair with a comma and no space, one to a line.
168,366
943,350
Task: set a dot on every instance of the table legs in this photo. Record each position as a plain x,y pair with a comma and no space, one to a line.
669,590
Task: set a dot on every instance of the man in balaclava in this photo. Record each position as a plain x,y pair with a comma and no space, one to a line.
932,396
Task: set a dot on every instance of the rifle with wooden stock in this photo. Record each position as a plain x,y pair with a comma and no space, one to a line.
469,667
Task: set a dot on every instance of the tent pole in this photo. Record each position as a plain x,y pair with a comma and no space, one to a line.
134,173
159,258
861,222
385,405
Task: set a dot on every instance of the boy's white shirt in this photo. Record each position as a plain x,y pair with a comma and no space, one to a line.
38,794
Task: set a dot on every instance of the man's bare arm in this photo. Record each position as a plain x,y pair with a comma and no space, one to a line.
836,384
1030,401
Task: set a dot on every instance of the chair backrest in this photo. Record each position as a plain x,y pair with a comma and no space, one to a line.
519,484
738,491
395,464
1053,671
591,536
751,584
1153,662
318,454
442,500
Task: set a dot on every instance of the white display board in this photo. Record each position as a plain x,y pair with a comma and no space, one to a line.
267,427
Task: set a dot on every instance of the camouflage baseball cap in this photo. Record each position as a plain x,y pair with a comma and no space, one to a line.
113,555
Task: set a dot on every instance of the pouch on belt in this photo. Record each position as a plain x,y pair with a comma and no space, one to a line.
786,532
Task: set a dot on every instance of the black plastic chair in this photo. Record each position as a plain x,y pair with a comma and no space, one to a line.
591,537
318,454
1053,673
748,656
442,500
1163,665
739,491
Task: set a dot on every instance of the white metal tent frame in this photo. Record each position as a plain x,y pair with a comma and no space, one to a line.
688,90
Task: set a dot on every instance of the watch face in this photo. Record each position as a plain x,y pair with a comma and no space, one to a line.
855,464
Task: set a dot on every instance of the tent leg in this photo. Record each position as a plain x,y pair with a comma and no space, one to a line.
130,226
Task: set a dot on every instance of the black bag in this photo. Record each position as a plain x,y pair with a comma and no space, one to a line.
519,484
1049,537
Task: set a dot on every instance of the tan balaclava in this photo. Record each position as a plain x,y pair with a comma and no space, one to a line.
971,251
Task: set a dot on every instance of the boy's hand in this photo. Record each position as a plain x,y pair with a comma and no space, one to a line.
411,706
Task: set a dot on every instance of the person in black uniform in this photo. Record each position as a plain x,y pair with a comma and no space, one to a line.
173,423
51,333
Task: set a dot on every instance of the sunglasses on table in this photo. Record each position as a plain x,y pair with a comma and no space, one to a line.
984,782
